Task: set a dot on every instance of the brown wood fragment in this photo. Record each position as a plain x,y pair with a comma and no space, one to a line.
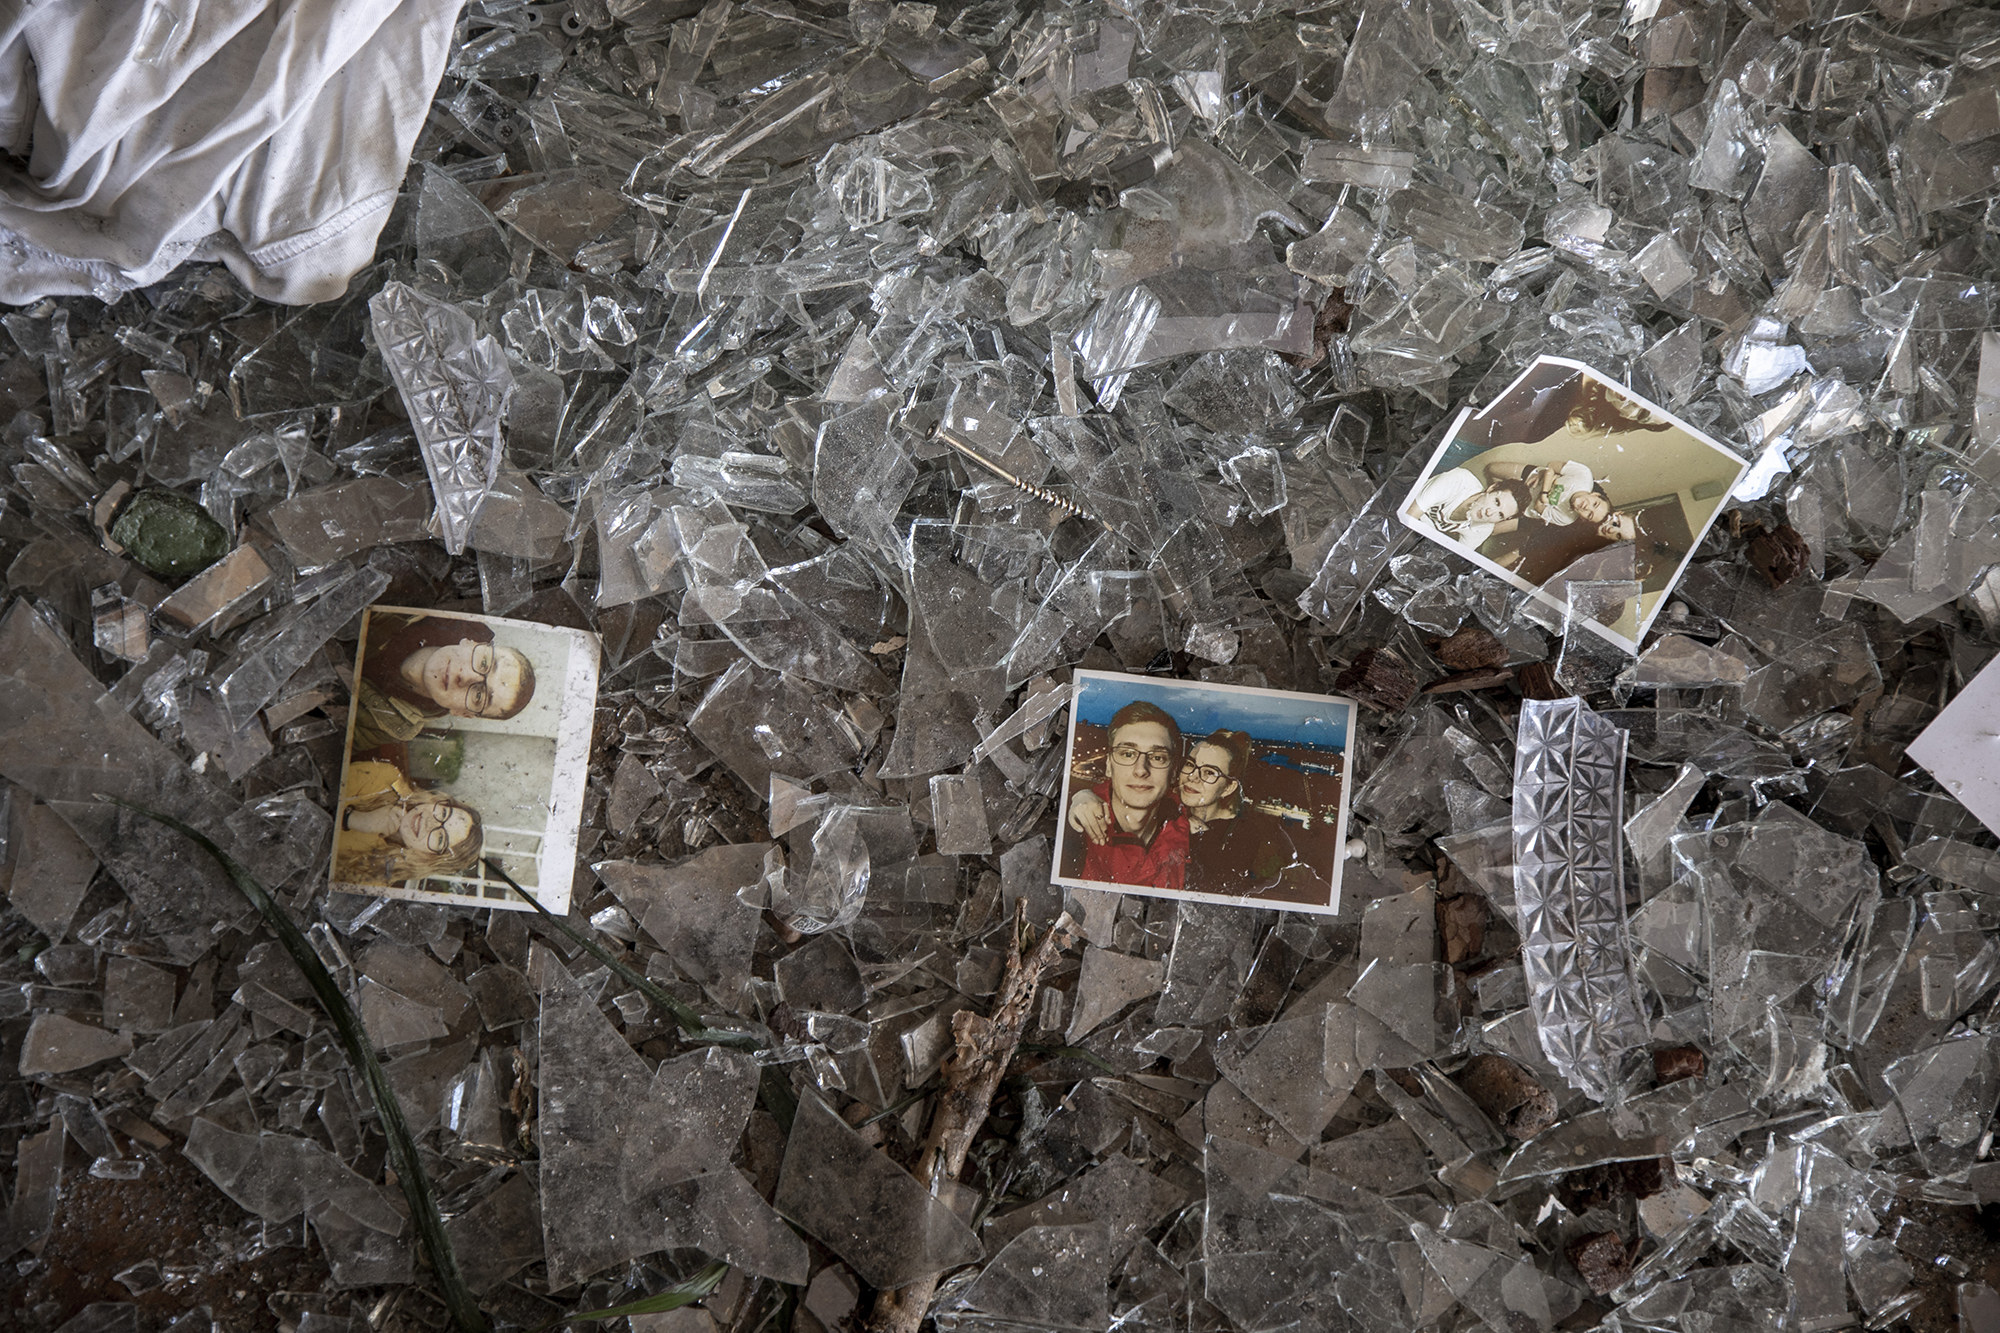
972,1073
1473,646
1379,679
1508,1093
1479,678
1780,555
1538,681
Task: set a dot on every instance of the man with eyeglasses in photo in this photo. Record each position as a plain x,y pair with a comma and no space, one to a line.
416,669
1146,836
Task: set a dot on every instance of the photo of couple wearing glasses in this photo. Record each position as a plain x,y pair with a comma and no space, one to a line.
1216,793
467,741
1569,476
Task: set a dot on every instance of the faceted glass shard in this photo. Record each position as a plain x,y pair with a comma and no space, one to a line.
118,626
1677,661
454,384
330,523
834,888
1211,957
1119,1193
821,975
1387,1159
1273,1253
1569,894
721,1213
806,740
1353,164
676,1164
863,1207
499,1235
138,997
279,1176
1946,1094
1651,828
393,1019
69,751
51,871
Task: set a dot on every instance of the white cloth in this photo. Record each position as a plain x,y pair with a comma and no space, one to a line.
1571,480
269,134
1442,494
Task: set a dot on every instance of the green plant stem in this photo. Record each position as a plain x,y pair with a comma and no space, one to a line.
673,1298
403,1157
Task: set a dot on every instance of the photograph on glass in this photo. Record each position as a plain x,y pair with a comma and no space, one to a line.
1570,477
1217,793
467,741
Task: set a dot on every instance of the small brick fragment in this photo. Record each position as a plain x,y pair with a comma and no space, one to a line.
1675,1063
1589,1187
1379,679
1604,1185
1601,1261
1780,555
1509,1094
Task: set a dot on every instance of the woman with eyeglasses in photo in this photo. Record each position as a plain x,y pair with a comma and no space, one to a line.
1233,847
391,832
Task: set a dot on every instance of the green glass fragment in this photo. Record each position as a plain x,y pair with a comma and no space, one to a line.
169,534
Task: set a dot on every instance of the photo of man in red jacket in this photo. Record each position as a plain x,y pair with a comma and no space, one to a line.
1148,842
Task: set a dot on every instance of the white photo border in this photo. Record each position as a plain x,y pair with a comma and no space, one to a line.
1331,907
576,714
1558,604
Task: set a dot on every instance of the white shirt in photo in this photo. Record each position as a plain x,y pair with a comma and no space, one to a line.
1571,480
1444,493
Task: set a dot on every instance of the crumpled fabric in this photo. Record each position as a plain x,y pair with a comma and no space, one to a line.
271,135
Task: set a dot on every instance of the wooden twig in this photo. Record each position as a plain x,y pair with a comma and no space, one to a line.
972,1074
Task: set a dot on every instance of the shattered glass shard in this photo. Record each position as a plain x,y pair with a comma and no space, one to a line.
864,1207
455,385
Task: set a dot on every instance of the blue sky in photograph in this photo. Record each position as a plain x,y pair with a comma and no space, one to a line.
1307,719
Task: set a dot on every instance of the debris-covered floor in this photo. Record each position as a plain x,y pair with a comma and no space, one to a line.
873,368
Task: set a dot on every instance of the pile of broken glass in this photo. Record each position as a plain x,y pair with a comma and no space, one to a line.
857,373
